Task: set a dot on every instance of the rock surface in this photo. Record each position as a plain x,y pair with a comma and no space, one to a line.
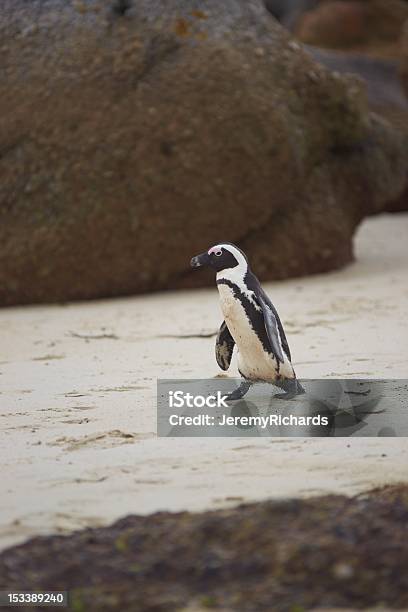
381,76
289,11
359,24
134,135
366,38
385,93
325,552
404,60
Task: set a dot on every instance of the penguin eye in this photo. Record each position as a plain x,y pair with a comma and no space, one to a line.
218,253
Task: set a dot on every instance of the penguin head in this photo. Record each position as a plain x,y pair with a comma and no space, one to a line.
220,257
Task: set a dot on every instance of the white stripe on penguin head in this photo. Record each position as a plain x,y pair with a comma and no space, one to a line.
239,256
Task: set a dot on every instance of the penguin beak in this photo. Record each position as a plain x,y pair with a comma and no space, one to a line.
200,260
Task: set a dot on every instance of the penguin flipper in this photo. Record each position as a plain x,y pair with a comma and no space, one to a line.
224,347
272,329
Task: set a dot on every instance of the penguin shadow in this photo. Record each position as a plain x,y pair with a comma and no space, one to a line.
327,408
242,409
340,408
348,403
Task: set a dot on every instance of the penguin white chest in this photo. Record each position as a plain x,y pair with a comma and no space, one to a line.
253,362
234,313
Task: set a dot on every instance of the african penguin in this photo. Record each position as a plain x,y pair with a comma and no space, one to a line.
251,322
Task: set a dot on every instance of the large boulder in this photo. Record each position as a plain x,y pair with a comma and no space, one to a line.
366,25
134,135
404,58
370,36
401,204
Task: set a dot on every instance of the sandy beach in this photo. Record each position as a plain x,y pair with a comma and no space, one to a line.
78,405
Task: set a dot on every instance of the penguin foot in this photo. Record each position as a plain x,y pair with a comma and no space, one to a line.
239,392
292,388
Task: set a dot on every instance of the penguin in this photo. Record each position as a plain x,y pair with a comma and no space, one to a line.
251,323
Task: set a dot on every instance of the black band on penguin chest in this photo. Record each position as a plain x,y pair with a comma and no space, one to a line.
254,316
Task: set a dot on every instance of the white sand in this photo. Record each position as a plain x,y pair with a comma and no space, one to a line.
78,446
